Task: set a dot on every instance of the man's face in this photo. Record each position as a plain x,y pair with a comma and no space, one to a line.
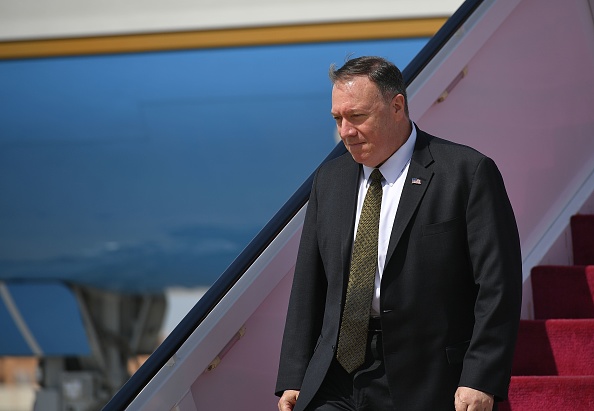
370,127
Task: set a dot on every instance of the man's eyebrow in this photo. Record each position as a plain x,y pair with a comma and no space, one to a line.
349,111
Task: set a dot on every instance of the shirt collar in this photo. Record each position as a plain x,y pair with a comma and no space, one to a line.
394,166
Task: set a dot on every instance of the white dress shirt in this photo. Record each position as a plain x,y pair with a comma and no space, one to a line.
394,171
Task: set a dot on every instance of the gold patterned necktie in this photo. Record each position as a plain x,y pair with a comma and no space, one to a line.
352,337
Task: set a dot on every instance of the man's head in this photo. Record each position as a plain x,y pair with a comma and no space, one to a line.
370,108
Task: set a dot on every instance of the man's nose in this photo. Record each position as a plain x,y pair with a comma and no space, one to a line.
347,129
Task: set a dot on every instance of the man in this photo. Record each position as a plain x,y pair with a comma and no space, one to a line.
441,315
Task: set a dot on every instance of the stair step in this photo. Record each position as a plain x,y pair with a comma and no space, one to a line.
555,347
563,291
556,393
582,235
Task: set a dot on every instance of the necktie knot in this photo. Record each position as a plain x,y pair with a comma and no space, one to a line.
376,176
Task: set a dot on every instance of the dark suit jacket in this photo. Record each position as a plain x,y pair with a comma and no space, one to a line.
450,290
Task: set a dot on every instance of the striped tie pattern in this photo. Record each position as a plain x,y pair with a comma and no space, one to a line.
352,337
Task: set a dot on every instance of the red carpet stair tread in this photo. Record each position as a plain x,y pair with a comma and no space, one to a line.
555,347
563,292
554,361
550,393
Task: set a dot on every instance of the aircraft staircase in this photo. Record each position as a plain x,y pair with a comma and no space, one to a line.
553,366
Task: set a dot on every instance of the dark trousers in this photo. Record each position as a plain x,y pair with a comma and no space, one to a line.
364,390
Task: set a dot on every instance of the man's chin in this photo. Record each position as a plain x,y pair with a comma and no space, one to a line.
358,156
363,160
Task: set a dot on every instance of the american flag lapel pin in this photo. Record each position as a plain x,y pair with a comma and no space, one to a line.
416,181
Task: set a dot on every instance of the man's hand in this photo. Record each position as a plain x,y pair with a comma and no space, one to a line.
468,399
288,400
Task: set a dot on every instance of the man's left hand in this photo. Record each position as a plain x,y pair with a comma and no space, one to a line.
468,399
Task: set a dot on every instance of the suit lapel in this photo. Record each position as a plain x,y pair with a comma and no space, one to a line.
416,183
347,210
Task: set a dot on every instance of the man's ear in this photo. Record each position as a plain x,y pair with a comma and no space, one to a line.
398,105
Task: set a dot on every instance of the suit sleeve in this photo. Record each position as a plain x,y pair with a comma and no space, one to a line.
306,305
494,250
